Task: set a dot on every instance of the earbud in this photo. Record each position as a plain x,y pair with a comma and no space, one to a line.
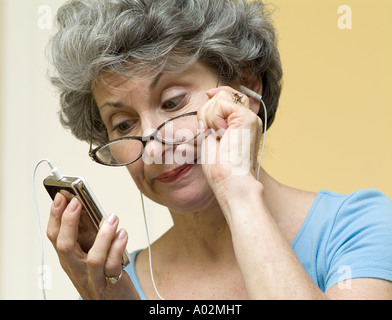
251,93
258,97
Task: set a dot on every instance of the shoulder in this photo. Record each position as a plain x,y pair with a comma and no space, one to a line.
335,212
361,197
366,206
360,239
362,209
362,218
364,214
347,236
335,217
367,199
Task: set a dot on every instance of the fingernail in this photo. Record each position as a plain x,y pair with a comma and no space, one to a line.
57,201
201,124
121,234
110,220
73,204
210,93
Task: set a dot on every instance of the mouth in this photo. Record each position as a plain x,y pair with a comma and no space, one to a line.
175,174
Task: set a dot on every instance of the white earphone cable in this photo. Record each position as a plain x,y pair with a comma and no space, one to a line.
149,249
39,227
57,174
263,143
258,97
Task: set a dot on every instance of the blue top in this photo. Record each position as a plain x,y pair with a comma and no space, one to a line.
343,237
130,269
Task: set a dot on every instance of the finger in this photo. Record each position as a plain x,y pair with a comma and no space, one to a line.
56,211
97,255
68,233
231,94
216,112
208,115
113,263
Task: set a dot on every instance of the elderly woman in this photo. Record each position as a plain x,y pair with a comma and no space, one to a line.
157,86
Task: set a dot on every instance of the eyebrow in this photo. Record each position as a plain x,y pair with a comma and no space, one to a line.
152,85
112,104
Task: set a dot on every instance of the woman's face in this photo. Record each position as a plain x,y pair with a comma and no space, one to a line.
169,175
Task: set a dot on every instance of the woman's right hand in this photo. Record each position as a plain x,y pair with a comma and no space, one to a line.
87,267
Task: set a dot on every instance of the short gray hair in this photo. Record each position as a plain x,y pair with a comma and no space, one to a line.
139,37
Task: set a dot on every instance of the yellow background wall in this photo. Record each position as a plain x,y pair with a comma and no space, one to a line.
334,125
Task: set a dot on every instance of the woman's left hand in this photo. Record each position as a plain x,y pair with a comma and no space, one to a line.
232,136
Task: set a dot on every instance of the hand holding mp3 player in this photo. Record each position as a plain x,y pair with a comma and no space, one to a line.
92,213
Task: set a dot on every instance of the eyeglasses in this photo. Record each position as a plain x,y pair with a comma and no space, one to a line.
120,152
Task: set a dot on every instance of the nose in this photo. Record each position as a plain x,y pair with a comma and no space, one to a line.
148,123
157,152
154,150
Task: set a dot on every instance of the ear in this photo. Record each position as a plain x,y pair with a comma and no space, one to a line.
252,82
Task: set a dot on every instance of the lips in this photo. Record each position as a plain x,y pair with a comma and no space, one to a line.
176,174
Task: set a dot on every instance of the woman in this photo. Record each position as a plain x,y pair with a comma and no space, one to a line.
135,74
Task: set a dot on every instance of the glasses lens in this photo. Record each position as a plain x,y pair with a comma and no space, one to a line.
180,130
120,152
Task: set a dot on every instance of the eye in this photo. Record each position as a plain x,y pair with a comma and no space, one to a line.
123,124
122,128
174,103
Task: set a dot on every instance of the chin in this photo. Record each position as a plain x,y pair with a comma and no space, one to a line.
195,200
196,195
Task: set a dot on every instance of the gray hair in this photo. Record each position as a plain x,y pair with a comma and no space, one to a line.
140,37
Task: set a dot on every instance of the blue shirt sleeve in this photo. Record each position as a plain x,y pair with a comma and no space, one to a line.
360,242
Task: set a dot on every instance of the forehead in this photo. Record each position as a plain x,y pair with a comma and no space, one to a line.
112,84
109,84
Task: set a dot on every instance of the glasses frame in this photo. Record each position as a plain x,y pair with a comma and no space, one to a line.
154,136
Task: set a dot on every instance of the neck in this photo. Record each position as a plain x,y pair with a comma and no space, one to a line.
205,234
202,235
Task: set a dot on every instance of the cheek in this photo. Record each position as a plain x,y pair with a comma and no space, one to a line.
136,171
